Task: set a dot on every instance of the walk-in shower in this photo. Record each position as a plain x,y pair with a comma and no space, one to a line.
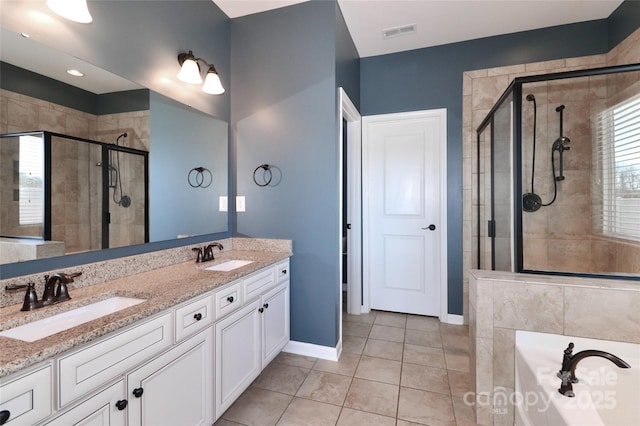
556,178
56,188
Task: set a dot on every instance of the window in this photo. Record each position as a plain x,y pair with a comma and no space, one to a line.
618,155
31,178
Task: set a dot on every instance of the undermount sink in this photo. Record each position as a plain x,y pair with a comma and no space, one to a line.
37,330
229,265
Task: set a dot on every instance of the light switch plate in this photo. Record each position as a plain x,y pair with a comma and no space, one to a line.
223,203
240,204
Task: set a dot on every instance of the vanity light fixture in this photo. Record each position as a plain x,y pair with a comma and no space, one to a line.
190,73
74,10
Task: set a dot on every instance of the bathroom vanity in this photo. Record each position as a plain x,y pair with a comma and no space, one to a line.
182,356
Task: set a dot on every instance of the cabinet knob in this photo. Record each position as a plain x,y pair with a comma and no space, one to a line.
230,299
266,305
261,310
4,416
284,272
197,317
121,405
137,392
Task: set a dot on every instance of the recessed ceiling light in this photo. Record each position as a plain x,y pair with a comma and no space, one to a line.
75,73
25,35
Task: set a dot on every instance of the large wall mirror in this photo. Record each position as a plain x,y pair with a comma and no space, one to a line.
187,153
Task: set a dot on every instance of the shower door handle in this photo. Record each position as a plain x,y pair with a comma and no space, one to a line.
431,227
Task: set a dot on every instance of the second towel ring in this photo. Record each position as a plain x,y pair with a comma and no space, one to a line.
198,180
266,175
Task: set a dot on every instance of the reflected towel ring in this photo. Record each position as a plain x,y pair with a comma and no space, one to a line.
266,178
198,179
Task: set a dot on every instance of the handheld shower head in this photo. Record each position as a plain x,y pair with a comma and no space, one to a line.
530,97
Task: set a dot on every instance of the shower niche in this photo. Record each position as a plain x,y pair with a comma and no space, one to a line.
75,194
556,176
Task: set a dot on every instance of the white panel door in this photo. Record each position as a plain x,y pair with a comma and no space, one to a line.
402,180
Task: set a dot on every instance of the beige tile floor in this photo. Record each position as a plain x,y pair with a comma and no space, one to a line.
395,369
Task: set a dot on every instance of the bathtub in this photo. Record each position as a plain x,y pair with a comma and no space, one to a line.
605,394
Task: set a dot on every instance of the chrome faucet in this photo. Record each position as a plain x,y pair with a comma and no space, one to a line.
569,362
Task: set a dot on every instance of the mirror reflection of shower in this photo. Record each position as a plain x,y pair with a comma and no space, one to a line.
531,201
115,178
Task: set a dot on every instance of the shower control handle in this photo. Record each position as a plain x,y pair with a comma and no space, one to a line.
431,227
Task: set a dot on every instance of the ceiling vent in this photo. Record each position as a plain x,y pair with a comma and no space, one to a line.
399,31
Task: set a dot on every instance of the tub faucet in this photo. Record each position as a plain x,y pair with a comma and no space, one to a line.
569,362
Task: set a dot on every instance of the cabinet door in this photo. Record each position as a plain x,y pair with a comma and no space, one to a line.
238,354
275,322
106,408
27,399
175,388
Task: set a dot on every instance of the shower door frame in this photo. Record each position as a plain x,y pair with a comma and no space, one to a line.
47,138
514,90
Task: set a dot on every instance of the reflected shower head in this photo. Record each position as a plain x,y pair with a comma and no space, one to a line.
124,135
530,97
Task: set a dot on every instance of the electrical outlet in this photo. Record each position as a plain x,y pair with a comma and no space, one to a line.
240,204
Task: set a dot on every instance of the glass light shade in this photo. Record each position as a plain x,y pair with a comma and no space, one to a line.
74,10
190,72
212,84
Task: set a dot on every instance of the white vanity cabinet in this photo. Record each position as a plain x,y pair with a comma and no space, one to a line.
106,408
248,339
27,399
175,388
183,366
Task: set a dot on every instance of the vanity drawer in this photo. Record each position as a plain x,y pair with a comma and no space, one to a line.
282,271
228,299
90,367
28,397
258,283
193,317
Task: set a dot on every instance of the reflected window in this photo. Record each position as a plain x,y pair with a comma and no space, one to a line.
31,179
619,156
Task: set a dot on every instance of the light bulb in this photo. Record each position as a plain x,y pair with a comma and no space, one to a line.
190,72
212,84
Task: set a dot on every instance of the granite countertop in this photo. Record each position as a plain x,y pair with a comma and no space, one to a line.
162,288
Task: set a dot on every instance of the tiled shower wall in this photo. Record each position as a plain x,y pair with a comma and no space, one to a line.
481,89
78,224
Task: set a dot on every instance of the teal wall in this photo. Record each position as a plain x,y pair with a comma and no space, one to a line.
182,139
284,113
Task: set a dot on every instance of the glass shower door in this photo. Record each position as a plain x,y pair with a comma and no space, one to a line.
126,201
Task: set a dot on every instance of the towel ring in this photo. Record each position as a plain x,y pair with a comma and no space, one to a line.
197,177
266,175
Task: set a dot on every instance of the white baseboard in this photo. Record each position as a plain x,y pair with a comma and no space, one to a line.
452,319
316,351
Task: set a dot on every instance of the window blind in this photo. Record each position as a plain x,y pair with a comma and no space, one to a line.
31,181
618,157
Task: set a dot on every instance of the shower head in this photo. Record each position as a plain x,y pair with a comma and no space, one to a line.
124,135
530,97
560,108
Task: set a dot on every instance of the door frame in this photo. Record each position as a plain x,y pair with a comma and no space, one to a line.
349,113
441,114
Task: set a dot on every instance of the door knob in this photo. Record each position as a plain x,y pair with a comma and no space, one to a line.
431,227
